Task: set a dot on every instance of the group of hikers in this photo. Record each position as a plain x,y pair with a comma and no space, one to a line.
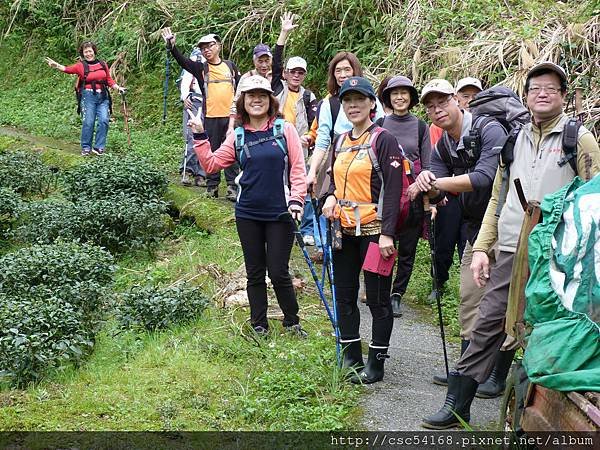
375,167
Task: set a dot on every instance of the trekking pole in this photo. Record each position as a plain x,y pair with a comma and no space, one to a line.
185,157
126,116
287,217
327,248
166,87
313,202
434,276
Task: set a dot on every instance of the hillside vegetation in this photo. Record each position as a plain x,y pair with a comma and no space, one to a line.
495,40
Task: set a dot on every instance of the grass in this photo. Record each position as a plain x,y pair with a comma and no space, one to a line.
210,375
202,377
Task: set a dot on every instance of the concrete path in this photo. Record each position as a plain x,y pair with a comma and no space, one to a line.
406,394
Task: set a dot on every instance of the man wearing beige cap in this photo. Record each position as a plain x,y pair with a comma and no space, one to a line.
465,165
218,79
539,162
466,89
449,231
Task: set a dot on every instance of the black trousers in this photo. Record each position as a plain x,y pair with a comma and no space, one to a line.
407,249
267,246
347,264
216,128
450,234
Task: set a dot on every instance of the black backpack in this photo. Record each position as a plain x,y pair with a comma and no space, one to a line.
505,106
499,104
80,84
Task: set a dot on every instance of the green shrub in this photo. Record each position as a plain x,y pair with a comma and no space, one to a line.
51,300
78,274
154,308
54,266
117,224
10,204
115,175
37,334
24,173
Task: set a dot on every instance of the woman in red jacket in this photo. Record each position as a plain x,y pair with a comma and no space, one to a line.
94,100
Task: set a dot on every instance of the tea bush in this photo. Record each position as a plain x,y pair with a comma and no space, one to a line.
154,308
115,175
37,334
10,203
51,299
25,173
118,224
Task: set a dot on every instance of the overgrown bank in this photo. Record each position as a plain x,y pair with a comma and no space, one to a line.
207,374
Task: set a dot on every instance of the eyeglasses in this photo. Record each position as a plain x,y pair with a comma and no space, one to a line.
208,46
297,72
443,104
537,90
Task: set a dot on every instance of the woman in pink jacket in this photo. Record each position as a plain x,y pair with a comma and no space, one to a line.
272,182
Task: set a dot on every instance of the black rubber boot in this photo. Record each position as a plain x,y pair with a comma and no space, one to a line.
395,299
353,358
496,382
373,371
441,380
461,391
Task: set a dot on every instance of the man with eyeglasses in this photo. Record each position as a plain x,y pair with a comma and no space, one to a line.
537,163
217,79
449,231
464,161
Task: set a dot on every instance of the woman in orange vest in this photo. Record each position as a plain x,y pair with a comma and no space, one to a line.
365,159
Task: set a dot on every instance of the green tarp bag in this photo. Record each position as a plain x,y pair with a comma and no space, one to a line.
563,291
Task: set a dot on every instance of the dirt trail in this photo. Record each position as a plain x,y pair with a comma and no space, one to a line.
407,394
38,140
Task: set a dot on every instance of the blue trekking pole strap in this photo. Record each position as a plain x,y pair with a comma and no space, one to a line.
329,259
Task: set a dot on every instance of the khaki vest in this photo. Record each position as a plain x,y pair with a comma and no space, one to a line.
536,166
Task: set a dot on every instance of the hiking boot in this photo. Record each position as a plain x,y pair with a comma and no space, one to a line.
200,181
373,371
461,392
496,383
85,152
352,355
231,193
442,380
308,240
432,299
296,330
260,330
317,257
98,151
396,309
187,179
212,191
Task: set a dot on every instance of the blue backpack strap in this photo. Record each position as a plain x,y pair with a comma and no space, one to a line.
240,146
278,127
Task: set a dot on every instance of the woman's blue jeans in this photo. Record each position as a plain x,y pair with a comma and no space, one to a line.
94,105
